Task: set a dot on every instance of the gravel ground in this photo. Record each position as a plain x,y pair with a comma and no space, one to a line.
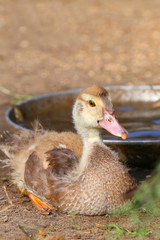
47,46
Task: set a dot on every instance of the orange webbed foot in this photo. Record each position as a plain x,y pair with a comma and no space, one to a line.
40,204
24,192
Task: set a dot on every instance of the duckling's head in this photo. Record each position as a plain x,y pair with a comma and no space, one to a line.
93,109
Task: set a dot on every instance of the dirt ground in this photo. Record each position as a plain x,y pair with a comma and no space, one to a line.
52,45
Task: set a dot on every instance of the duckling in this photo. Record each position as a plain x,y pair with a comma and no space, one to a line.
68,172
156,104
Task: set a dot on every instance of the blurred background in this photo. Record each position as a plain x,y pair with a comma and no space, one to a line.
53,45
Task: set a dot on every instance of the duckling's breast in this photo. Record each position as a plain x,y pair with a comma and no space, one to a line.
86,196
100,189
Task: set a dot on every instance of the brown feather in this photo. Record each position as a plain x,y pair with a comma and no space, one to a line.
96,91
61,160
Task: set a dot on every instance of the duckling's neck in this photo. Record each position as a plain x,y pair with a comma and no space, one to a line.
90,138
89,135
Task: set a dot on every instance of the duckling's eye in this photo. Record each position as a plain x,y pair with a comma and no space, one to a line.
91,103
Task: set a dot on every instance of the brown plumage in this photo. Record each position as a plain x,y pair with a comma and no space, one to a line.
61,160
156,104
69,172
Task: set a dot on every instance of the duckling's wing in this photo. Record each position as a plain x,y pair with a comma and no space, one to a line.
62,160
40,182
38,178
45,183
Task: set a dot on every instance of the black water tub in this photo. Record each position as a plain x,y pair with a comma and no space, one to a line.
135,108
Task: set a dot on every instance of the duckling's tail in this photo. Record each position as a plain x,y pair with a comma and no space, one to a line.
7,143
11,143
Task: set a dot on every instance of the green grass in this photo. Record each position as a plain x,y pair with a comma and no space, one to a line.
15,97
18,97
142,213
148,196
140,231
